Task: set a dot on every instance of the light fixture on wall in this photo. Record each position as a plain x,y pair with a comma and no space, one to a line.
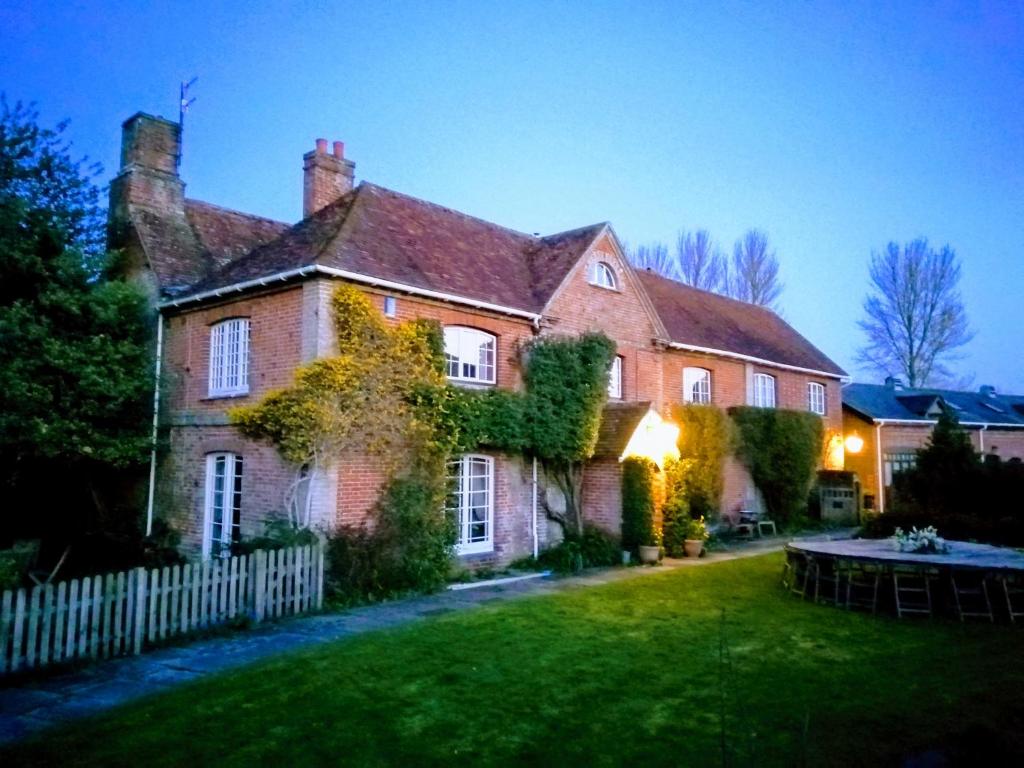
854,443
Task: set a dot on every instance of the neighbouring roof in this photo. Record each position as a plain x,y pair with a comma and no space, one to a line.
882,402
709,320
382,234
618,423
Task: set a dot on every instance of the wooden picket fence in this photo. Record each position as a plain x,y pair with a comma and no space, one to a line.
126,613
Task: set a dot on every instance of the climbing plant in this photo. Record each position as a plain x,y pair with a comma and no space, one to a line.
638,523
780,449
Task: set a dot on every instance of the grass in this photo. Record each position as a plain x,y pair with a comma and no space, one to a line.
642,672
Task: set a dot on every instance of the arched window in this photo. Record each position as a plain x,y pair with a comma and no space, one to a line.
469,354
816,398
696,385
229,357
764,390
471,502
223,505
603,275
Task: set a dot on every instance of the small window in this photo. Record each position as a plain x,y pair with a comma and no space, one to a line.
896,462
469,355
603,275
471,502
696,385
390,306
615,379
816,398
223,504
229,358
764,390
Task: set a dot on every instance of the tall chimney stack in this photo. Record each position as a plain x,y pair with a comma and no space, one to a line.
327,177
148,177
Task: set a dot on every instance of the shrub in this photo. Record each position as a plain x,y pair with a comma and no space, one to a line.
705,439
408,550
675,518
593,549
638,527
780,450
278,533
599,548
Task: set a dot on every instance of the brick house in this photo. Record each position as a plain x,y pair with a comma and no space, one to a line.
893,421
243,301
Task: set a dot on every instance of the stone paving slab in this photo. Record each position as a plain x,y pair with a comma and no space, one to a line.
68,696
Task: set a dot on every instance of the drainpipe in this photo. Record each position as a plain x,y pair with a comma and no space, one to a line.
156,419
981,440
878,458
535,549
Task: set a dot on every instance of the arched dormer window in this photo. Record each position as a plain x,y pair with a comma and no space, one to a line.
602,275
469,354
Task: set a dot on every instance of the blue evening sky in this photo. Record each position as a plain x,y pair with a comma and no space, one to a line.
835,127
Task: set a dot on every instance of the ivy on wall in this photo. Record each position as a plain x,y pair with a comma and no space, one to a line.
638,521
780,449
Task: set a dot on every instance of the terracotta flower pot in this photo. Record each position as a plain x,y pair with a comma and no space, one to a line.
649,555
693,547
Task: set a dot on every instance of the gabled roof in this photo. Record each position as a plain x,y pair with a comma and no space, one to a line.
382,234
882,402
717,323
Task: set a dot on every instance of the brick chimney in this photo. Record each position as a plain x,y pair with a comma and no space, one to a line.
326,176
148,177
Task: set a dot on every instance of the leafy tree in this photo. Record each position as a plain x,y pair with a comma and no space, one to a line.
75,373
754,275
566,390
946,477
915,318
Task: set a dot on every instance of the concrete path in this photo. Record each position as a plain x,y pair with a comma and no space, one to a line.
64,697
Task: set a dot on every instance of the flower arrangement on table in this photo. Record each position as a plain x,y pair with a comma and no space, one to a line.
923,542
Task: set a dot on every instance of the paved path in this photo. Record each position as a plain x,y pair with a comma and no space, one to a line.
68,696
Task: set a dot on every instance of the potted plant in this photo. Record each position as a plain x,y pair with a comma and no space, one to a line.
696,535
650,550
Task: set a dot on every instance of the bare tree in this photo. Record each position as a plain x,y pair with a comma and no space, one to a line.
754,276
700,262
656,258
915,317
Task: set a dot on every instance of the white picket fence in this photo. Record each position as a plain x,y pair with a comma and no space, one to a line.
125,613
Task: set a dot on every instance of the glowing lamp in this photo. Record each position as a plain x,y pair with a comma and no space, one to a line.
654,439
854,443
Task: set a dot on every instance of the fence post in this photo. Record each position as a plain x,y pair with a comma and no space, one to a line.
321,554
5,626
260,585
140,610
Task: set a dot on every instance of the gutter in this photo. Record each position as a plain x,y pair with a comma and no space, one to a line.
355,277
758,360
156,419
933,422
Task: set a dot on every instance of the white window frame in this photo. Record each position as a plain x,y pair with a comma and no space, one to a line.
696,385
603,276
226,496
390,306
764,390
615,379
816,402
459,505
229,358
458,343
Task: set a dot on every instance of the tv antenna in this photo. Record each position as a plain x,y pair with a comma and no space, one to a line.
184,102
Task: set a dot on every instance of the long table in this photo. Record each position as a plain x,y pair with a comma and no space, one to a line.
961,554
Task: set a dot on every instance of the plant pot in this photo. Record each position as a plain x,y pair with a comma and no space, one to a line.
626,554
693,547
649,555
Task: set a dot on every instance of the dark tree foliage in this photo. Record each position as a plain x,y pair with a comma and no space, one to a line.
638,527
780,449
75,375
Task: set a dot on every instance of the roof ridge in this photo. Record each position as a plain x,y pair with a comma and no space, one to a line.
732,299
574,231
446,209
236,212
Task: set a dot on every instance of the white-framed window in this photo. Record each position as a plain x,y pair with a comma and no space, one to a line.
764,390
390,306
696,385
223,503
229,357
615,379
471,502
816,398
602,274
469,354
896,462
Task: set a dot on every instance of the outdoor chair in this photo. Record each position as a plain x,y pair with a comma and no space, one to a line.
823,574
970,592
757,522
43,576
862,582
1013,589
912,589
794,573
738,524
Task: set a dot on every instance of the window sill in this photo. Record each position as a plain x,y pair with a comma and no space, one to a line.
469,384
605,287
224,396
469,550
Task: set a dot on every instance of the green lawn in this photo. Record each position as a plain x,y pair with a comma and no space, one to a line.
627,674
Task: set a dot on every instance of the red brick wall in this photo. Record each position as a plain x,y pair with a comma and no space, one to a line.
602,495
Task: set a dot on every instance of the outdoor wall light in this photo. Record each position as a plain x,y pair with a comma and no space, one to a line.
854,443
